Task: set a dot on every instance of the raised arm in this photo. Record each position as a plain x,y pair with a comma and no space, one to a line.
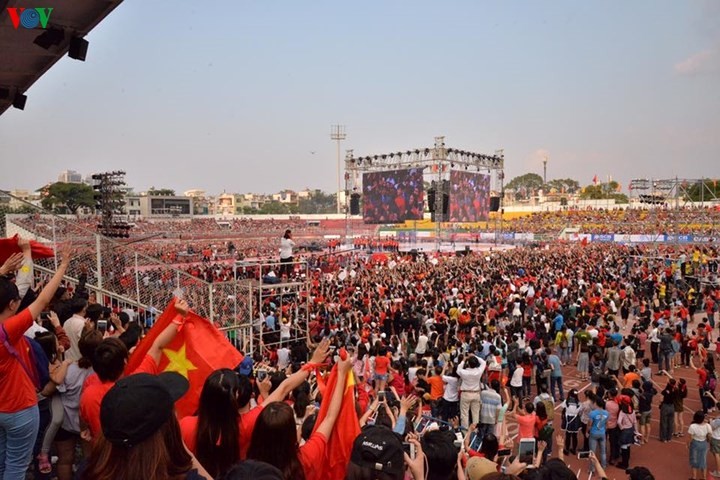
328,423
297,378
167,335
47,293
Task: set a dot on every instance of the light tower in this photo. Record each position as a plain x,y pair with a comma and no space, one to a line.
337,133
545,171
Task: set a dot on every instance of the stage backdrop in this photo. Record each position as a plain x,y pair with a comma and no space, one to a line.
469,196
394,196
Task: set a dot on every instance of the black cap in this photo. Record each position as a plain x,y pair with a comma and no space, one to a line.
380,449
138,405
253,469
639,473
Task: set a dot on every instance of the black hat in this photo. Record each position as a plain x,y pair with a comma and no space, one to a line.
138,405
378,448
639,473
253,469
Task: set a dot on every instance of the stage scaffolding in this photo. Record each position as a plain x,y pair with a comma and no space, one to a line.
289,295
437,162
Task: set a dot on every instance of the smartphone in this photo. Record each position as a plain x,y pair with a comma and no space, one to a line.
102,325
381,396
475,442
526,450
582,455
503,452
45,315
459,441
261,375
409,448
422,424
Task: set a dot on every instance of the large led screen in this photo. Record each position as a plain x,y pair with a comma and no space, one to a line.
393,197
469,197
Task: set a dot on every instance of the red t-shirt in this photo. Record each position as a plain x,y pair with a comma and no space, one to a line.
526,425
17,391
312,456
94,391
381,365
702,376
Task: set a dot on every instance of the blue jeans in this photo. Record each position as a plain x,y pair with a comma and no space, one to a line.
18,432
595,441
559,382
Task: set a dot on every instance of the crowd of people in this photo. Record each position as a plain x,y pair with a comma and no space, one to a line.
445,354
670,221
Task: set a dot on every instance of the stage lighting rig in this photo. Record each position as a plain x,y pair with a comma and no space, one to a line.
109,202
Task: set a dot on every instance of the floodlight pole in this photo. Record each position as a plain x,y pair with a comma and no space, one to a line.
337,133
440,157
545,160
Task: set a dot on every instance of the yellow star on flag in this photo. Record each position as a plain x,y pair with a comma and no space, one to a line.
178,361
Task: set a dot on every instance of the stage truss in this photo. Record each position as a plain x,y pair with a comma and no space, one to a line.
437,162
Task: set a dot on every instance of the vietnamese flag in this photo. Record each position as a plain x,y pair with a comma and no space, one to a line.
197,350
8,246
347,426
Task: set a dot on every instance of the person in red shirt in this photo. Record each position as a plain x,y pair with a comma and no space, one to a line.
382,364
274,440
19,414
219,436
109,363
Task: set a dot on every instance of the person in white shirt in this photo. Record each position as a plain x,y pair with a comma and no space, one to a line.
283,354
451,397
470,372
699,433
422,343
286,253
516,385
715,444
73,328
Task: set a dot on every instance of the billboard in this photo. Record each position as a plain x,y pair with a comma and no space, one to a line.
394,196
469,197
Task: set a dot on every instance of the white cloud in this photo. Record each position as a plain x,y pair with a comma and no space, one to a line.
707,61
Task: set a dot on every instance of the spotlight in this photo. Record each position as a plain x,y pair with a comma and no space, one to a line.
50,37
427,150
78,48
19,101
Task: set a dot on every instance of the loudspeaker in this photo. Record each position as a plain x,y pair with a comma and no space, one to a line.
19,101
355,204
78,48
445,202
494,204
431,200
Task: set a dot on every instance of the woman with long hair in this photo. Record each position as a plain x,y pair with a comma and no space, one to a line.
274,438
219,435
140,435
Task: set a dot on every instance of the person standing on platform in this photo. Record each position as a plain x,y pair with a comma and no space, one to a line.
286,254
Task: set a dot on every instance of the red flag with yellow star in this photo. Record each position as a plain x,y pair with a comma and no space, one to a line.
197,350
347,426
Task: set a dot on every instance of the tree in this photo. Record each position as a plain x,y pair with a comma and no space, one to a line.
68,197
703,191
564,185
526,185
278,208
318,202
164,192
604,191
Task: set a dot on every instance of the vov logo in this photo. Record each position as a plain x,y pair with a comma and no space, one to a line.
29,17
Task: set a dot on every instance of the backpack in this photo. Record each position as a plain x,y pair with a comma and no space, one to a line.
571,419
564,341
549,407
39,368
710,382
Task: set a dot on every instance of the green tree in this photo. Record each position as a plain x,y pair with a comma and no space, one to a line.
68,197
318,202
604,191
566,185
526,185
278,208
164,192
703,191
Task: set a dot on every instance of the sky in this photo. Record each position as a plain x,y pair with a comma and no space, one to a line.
236,95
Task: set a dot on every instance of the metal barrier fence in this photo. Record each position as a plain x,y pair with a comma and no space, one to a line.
122,272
